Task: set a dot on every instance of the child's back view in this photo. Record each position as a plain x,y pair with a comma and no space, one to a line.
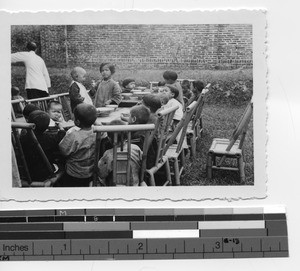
105,164
79,147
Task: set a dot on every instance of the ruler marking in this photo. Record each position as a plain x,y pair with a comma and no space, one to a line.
108,247
165,248
33,248
127,249
279,246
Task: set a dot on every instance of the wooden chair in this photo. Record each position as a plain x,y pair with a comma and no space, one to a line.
195,128
122,164
20,103
161,131
42,103
230,148
22,164
175,152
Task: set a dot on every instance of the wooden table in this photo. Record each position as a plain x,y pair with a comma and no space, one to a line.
113,115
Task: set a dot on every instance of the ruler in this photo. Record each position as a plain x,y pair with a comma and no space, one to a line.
137,234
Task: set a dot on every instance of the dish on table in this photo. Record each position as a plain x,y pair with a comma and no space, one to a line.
104,111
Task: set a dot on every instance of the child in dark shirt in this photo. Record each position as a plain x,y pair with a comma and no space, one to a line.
128,85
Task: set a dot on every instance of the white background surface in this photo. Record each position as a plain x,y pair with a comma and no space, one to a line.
283,131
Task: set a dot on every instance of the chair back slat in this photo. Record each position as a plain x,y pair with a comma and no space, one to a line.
241,127
181,127
199,107
42,103
121,155
165,118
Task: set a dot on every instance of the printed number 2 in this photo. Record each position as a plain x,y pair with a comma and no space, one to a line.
218,245
140,246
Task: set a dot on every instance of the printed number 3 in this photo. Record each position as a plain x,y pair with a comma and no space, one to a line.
218,245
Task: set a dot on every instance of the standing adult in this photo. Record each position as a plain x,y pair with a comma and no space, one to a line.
37,77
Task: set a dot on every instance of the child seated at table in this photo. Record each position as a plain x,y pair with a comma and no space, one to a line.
140,114
77,91
55,114
170,78
78,146
15,95
153,102
108,91
29,108
105,164
197,87
128,85
172,94
186,89
49,143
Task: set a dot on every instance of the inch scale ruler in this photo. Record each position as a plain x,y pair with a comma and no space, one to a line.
136,234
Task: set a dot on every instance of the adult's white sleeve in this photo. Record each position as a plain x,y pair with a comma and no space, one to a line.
18,57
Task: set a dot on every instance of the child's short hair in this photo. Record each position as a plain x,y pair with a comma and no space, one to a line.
163,98
111,67
170,75
174,90
29,108
31,46
199,85
161,83
41,120
127,82
86,114
53,103
75,71
15,91
186,83
121,135
152,101
141,113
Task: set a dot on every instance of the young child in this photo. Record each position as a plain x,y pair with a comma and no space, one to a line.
49,143
105,164
153,102
164,99
172,94
128,85
15,95
186,89
108,90
78,146
197,87
29,108
77,91
170,78
55,113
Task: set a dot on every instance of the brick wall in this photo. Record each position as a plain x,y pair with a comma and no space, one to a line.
149,46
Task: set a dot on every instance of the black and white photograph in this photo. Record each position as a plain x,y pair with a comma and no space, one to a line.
108,106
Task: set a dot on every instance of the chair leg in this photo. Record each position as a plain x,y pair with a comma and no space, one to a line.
209,166
193,146
152,179
176,171
168,172
241,169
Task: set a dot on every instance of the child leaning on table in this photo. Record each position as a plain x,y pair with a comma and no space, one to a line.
128,85
108,91
78,146
105,164
77,91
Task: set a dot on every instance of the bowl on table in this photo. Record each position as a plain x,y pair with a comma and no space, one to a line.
126,95
134,98
141,94
141,88
104,111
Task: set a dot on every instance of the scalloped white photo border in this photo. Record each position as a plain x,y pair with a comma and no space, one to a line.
174,194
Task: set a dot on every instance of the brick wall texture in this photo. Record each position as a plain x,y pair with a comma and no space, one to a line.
205,46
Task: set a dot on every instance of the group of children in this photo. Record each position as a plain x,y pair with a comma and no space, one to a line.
74,150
